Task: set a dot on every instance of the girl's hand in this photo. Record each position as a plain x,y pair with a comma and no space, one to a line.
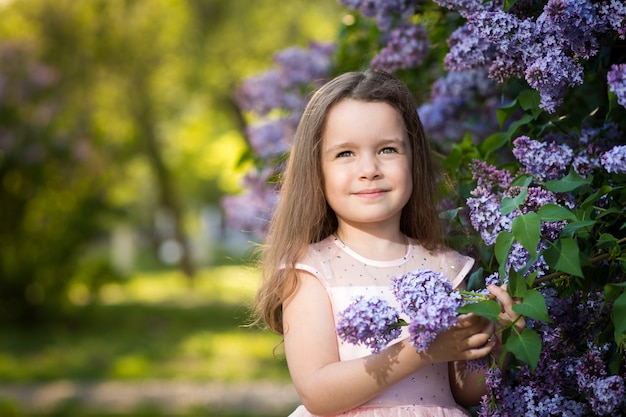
470,338
507,315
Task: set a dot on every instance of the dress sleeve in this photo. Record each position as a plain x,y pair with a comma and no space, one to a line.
314,264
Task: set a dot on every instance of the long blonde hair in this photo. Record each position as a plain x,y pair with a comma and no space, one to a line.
302,215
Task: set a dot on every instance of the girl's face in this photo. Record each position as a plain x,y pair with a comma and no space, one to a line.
366,163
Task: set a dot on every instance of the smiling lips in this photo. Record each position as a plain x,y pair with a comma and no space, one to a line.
371,193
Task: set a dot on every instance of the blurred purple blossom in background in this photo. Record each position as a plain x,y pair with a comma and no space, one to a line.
251,210
273,101
407,46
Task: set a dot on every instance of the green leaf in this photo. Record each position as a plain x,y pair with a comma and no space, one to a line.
509,204
489,309
493,142
508,4
517,285
530,100
527,230
522,181
555,213
607,240
453,160
618,316
534,306
524,120
602,191
501,249
525,346
568,183
572,228
505,112
564,256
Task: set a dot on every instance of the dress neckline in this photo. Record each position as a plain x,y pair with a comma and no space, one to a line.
373,262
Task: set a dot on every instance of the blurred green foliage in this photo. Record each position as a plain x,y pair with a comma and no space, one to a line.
114,110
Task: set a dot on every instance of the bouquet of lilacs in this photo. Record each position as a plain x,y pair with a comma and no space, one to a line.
426,298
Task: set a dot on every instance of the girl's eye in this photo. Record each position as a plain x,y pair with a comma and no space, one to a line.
344,154
388,150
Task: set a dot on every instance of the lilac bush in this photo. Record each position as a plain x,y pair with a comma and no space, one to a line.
524,101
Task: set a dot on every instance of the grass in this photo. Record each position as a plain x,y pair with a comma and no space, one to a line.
151,327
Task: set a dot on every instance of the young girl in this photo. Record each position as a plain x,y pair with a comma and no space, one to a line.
357,207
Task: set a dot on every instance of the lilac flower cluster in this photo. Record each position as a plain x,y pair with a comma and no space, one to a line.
572,376
459,100
614,160
371,322
544,160
251,210
484,206
407,46
384,11
276,98
616,79
425,297
429,301
544,49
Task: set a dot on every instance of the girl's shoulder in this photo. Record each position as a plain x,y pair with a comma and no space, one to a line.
317,257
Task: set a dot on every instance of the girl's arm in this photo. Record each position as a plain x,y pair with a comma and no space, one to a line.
326,385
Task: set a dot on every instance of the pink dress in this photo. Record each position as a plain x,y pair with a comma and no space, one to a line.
345,274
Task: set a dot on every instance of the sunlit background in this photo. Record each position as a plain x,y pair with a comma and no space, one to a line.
122,291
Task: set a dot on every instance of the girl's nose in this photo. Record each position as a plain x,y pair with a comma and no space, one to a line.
369,168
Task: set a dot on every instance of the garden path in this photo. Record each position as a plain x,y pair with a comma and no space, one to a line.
265,398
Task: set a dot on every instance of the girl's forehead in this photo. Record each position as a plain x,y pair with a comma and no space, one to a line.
361,117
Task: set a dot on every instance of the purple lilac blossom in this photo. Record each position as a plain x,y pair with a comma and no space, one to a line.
616,79
251,210
614,160
551,75
614,13
371,322
273,137
576,23
406,47
467,7
484,206
607,395
544,48
299,66
468,50
385,11
429,301
457,99
489,176
486,216
261,93
546,161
